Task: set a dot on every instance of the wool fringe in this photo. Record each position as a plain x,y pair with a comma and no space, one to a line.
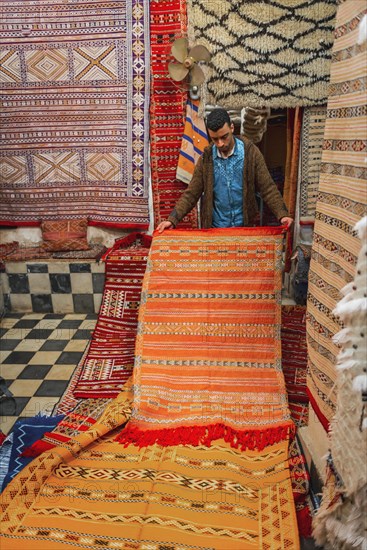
344,308
343,336
204,435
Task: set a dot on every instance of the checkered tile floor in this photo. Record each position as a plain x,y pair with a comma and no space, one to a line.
38,355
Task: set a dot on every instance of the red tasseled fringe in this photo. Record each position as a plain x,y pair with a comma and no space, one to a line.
204,435
41,445
304,521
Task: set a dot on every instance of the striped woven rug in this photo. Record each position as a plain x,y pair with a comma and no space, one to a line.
208,353
312,136
109,360
167,110
75,130
342,201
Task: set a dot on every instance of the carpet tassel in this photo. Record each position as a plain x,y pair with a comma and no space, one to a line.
205,435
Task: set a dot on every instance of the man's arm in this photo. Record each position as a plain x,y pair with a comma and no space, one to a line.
188,199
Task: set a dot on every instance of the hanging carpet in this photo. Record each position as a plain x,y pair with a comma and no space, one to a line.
342,202
312,136
75,83
273,54
167,110
208,352
194,141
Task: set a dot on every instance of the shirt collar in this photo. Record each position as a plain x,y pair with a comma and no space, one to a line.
232,151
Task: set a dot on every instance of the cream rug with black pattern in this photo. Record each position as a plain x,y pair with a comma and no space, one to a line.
269,53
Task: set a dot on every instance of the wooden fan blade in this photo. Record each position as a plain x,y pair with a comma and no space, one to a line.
179,49
200,53
197,76
177,71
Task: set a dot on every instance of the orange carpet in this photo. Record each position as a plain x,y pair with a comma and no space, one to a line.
208,352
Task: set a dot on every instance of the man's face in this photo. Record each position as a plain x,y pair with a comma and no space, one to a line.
223,138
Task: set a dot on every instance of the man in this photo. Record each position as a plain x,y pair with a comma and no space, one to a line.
226,178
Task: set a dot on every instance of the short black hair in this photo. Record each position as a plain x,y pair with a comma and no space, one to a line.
217,119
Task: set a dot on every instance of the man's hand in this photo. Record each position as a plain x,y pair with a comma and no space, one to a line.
164,225
287,222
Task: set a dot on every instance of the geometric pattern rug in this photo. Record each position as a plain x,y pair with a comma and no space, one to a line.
167,110
300,478
93,493
273,53
312,135
75,115
342,202
109,360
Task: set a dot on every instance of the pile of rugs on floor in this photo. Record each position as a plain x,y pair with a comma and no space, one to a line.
115,457
13,252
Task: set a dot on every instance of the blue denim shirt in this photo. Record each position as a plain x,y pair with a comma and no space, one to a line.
228,187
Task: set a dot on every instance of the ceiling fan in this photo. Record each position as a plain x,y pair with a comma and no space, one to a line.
188,60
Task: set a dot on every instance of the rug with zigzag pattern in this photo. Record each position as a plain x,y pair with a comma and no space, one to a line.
265,53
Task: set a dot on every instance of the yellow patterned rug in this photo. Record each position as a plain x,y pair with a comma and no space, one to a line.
94,493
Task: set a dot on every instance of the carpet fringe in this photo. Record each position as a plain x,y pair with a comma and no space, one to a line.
204,435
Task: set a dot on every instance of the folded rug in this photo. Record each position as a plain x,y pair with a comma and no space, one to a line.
26,432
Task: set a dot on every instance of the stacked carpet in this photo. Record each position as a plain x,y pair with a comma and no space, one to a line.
342,202
300,478
341,520
109,359
229,486
75,78
167,110
272,54
294,361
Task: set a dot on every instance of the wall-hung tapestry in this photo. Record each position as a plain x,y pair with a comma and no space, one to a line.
268,53
74,112
342,202
313,126
168,20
